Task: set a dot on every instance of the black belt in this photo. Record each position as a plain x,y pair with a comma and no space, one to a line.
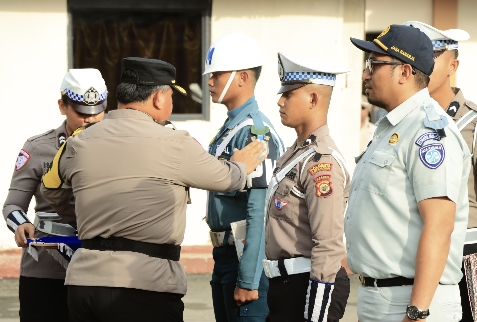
470,249
165,251
387,282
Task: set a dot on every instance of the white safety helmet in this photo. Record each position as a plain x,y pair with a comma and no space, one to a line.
233,52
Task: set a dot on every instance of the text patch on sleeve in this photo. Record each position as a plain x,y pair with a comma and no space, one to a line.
320,167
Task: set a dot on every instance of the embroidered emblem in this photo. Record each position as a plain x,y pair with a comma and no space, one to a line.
394,138
281,71
280,204
426,137
320,167
22,159
385,31
453,108
310,140
323,188
432,155
91,96
322,178
291,175
61,139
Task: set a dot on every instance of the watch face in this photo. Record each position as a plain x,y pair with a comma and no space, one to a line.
412,312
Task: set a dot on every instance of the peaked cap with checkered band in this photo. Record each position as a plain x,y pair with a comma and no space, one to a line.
295,73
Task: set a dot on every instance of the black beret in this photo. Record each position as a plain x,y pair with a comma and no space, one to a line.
150,72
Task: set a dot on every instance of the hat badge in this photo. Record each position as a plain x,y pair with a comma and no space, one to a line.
91,96
281,72
385,31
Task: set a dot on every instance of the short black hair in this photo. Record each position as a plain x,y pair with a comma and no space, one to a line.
257,71
128,93
456,53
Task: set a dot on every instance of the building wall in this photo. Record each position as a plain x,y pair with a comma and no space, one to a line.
34,58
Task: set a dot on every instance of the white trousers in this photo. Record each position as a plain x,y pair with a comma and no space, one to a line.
377,304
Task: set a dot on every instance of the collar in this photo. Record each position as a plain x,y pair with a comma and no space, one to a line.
406,107
459,96
61,135
128,114
243,111
315,136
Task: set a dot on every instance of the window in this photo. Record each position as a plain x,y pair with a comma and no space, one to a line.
102,32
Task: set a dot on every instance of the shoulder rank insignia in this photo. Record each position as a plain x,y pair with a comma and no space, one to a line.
280,204
320,167
22,159
61,139
309,140
394,138
453,108
432,155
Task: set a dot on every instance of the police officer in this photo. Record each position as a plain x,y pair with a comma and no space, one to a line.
45,275
464,112
239,288
306,201
408,206
130,175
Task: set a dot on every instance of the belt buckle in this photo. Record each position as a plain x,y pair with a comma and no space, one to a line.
361,280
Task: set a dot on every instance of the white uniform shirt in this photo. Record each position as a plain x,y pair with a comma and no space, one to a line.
406,163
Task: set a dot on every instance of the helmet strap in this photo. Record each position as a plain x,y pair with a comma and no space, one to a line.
226,88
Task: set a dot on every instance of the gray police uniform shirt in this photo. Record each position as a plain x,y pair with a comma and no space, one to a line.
130,177
32,162
405,163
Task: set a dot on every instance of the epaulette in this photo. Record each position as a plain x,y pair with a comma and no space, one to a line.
471,105
435,121
33,138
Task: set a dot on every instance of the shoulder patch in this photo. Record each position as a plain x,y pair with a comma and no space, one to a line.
432,155
22,159
323,188
320,167
427,136
322,178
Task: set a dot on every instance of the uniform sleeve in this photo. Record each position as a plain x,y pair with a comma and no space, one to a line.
250,265
436,167
25,180
324,185
199,169
56,187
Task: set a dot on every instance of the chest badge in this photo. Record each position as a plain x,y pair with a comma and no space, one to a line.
394,138
280,204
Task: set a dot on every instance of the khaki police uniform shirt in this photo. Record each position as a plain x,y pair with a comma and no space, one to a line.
465,106
406,163
312,226
25,184
130,177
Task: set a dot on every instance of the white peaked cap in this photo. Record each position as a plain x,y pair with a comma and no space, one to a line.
441,39
295,73
86,88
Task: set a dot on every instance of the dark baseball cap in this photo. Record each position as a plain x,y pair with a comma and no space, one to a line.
150,72
405,43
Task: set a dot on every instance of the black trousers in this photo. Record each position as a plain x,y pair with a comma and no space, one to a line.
464,295
286,300
42,300
104,304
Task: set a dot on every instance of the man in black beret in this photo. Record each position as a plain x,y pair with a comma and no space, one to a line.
408,206
131,176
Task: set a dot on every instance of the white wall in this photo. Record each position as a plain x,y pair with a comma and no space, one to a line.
308,29
33,60
466,20
380,14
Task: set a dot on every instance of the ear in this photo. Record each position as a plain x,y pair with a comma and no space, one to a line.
62,107
243,78
406,73
454,64
157,100
314,99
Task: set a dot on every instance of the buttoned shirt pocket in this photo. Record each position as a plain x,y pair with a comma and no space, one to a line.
375,175
284,204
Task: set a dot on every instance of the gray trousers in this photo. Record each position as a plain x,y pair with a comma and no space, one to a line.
377,304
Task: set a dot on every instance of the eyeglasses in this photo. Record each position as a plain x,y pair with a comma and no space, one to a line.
370,62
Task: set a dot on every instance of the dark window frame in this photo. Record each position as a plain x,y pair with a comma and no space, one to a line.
202,6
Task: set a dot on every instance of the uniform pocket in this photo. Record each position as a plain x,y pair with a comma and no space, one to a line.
284,205
376,175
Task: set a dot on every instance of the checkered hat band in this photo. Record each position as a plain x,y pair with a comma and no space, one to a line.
80,98
440,44
315,77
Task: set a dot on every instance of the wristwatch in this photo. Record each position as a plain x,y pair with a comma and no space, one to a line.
415,314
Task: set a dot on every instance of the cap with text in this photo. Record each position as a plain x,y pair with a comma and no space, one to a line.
441,39
295,73
405,43
150,72
86,90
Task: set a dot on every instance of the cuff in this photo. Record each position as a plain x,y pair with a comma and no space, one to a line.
15,219
318,299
